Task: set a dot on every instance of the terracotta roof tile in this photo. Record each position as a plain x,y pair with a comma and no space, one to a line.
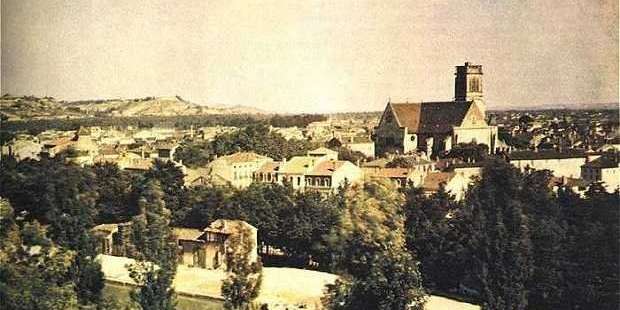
326,168
430,117
242,157
186,233
433,180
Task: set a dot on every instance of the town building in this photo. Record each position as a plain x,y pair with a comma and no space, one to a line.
561,164
434,127
319,170
362,144
329,175
455,184
605,169
23,147
210,247
236,169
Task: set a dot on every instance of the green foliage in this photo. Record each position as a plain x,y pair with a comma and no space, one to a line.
257,138
293,222
155,250
64,197
36,126
295,120
402,162
500,237
34,273
154,283
115,189
591,270
393,282
436,234
244,276
262,205
170,177
469,152
345,153
194,153
369,246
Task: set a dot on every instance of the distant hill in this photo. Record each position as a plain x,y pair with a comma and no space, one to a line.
30,107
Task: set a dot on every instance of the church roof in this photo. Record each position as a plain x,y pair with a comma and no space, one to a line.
430,117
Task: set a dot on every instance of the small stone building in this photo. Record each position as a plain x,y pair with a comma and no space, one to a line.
209,247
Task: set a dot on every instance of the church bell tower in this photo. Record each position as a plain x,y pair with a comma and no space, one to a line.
468,82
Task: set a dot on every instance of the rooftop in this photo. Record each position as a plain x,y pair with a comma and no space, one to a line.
242,157
548,154
389,172
433,180
327,168
430,117
603,162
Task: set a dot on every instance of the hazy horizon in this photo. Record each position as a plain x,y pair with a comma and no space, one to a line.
311,57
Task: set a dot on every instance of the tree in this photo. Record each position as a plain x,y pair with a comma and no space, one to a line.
369,248
435,233
155,251
65,201
171,180
403,162
548,235
345,153
244,276
306,223
114,188
194,154
34,272
262,205
259,139
500,237
393,282
469,152
591,270
209,203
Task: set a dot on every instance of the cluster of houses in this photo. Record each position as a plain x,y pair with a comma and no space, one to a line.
422,131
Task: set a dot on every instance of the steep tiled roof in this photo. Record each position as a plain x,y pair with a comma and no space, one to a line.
389,172
298,164
186,233
327,167
269,167
603,162
379,163
242,157
430,117
433,180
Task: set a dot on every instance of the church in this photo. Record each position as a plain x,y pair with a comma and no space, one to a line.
434,127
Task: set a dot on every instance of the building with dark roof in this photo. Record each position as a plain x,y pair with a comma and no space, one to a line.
604,169
433,127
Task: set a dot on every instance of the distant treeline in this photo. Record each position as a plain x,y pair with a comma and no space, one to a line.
301,120
183,122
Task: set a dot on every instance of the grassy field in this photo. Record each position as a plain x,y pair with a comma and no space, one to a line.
120,293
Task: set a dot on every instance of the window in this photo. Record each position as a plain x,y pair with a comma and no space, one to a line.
298,181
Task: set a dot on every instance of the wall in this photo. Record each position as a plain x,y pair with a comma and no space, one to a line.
564,167
368,149
388,135
611,178
482,135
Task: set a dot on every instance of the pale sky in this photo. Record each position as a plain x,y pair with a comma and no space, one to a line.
310,56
